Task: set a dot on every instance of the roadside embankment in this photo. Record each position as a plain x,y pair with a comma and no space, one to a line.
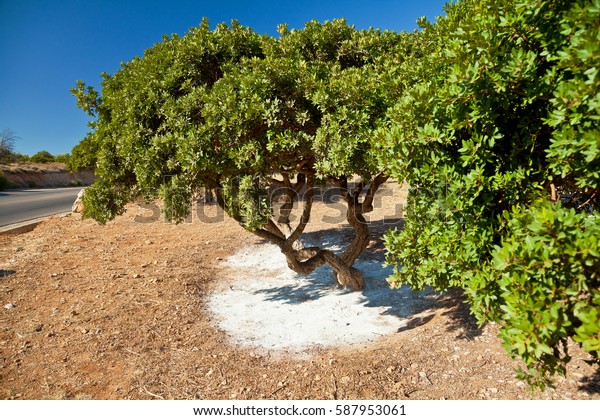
43,175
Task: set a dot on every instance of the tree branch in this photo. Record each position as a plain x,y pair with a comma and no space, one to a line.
275,237
304,219
367,204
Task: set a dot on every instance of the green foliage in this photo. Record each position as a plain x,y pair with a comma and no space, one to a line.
229,108
490,114
42,156
574,152
150,111
20,157
247,200
83,155
503,122
62,158
104,201
547,273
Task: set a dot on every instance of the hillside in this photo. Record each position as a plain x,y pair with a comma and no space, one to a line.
43,175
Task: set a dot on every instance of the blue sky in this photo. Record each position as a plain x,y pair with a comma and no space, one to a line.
46,46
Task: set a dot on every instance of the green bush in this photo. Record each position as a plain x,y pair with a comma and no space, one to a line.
42,156
84,155
62,158
547,272
499,142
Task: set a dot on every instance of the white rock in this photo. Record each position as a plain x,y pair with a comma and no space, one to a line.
78,204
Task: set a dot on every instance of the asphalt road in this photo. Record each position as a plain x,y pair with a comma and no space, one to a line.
18,206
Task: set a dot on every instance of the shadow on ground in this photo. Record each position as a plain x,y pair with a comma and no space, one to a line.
414,307
591,384
6,273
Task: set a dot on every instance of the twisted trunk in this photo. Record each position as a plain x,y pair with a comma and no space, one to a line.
306,260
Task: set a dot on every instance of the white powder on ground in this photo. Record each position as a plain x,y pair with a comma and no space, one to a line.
265,304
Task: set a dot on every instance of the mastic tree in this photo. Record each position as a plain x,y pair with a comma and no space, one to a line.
261,120
499,142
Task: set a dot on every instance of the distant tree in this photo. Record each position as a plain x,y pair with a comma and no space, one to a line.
62,158
7,144
42,156
20,157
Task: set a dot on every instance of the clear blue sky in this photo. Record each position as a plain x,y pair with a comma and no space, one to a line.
47,45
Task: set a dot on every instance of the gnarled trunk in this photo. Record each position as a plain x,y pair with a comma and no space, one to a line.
306,260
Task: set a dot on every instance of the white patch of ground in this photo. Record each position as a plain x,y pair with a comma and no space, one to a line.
265,304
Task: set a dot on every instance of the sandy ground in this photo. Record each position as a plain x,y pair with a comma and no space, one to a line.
266,305
142,309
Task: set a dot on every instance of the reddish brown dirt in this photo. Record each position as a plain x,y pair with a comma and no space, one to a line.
116,312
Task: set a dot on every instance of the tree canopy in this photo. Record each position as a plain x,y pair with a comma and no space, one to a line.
255,117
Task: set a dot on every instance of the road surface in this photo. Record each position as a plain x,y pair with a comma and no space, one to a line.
18,206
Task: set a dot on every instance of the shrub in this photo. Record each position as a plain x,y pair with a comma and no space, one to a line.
42,157
499,142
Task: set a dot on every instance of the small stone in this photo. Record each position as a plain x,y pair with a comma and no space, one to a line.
9,306
345,379
137,276
390,369
493,390
38,328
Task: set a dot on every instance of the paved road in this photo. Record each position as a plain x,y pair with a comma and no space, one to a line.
21,205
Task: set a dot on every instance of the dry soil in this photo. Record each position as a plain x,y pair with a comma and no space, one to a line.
121,311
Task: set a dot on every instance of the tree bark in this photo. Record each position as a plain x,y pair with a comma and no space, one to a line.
306,260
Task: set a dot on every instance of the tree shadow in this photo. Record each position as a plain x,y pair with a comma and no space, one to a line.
412,306
591,385
6,273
